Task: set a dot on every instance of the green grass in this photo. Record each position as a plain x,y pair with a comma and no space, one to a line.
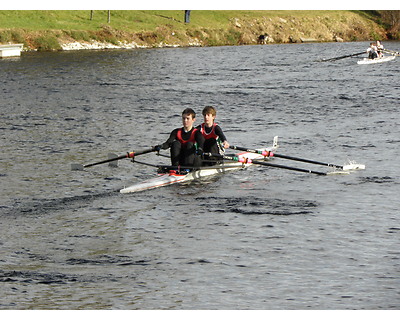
139,20
127,20
43,29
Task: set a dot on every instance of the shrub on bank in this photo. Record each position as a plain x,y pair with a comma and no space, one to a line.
47,43
13,36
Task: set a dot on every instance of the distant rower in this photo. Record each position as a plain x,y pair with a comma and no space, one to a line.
372,51
380,48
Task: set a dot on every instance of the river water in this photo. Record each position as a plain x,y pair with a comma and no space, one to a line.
261,238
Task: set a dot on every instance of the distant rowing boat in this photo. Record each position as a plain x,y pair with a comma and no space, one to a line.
377,60
173,175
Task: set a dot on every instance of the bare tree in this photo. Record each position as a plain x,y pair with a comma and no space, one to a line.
392,19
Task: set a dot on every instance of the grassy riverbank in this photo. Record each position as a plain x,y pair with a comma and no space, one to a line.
57,29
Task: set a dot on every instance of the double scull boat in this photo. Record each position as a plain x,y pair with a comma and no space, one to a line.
246,157
377,60
172,175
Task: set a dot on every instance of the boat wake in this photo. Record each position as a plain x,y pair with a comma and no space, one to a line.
262,206
46,206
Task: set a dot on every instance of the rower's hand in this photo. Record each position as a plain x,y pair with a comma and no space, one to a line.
226,144
157,148
199,152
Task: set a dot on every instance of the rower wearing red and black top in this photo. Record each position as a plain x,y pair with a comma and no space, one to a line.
186,143
215,140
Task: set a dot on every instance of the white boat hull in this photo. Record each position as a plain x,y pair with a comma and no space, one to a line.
10,50
166,179
378,60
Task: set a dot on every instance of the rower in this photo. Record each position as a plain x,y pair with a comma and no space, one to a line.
372,51
380,48
215,140
186,143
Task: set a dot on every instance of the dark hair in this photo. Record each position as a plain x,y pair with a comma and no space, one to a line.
189,111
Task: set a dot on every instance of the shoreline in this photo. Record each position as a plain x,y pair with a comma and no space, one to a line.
60,31
96,45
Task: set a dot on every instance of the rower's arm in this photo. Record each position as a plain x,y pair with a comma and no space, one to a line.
167,144
221,135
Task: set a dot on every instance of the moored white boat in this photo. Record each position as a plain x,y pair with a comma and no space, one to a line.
377,60
174,176
10,50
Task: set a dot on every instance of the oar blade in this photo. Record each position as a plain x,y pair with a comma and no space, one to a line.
113,163
348,168
354,166
77,167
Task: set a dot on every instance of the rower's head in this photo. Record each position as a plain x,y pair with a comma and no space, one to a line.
209,110
189,112
209,114
188,118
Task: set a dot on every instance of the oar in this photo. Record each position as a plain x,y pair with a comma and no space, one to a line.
263,163
76,166
277,155
395,53
342,57
166,168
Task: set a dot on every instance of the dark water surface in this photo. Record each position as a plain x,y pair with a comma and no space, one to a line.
262,238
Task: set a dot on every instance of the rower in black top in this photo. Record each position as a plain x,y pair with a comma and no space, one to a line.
186,143
215,140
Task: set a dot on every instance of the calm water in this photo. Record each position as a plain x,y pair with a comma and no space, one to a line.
262,238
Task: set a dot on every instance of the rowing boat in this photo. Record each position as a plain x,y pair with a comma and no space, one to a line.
377,60
172,175
168,175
